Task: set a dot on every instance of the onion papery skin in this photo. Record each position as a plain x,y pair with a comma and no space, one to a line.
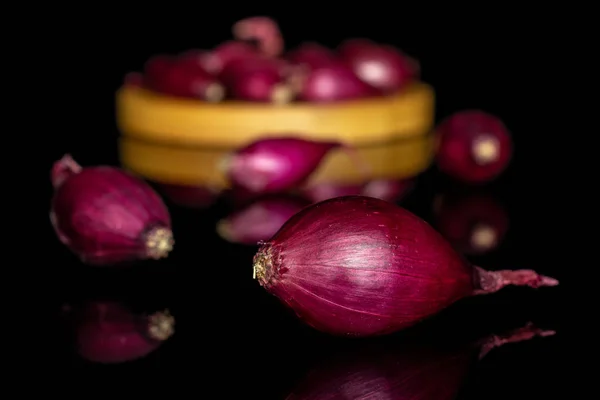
107,216
359,266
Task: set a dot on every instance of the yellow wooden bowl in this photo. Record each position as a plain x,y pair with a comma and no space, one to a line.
184,141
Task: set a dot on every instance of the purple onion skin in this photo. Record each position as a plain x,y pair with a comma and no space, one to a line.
360,266
409,369
109,333
276,164
106,216
333,82
380,66
259,220
312,55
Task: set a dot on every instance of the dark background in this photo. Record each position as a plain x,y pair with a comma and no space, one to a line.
508,62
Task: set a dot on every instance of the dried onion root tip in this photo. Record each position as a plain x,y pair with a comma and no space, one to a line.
281,94
492,281
213,93
161,325
529,331
159,242
263,30
62,169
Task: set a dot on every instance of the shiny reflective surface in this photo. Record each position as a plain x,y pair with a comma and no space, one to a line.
111,322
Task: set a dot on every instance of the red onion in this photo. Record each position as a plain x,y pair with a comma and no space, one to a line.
388,190
409,369
264,31
134,79
312,55
382,67
155,69
108,332
168,76
259,220
473,146
190,196
332,82
257,79
360,266
474,224
278,164
107,216
215,60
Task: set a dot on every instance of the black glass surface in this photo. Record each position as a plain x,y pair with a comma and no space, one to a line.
234,339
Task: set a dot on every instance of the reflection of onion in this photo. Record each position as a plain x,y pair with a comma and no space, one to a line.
259,220
324,191
388,190
190,196
474,224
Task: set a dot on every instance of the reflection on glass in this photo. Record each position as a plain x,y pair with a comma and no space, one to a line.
109,332
260,219
402,369
474,223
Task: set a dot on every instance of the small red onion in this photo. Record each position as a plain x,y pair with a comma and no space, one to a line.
408,369
312,55
332,82
257,79
190,196
388,190
278,164
259,220
155,69
325,191
474,224
107,216
264,31
473,146
108,332
215,60
360,266
380,66
171,77
134,79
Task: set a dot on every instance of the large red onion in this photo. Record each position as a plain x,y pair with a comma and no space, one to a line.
474,224
109,332
473,146
264,31
408,369
360,266
331,82
257,79
277,164
107,216
381,66
259,220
